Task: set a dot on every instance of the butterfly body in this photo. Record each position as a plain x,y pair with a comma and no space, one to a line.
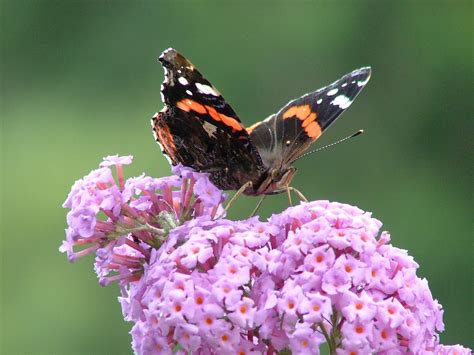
197,128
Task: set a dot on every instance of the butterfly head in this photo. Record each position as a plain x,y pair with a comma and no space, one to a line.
275,181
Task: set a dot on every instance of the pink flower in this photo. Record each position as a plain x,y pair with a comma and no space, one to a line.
452,350
116,160
243,313
305,340
336,281
351,266
358,334
290,302
320,259
362,308
318,308
198,251
391,312
385,338
209,318
187,335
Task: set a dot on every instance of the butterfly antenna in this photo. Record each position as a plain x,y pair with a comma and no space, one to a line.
355,134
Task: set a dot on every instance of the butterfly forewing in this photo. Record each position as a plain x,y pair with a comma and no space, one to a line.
197,127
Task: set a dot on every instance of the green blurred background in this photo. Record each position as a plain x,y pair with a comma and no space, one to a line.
79,80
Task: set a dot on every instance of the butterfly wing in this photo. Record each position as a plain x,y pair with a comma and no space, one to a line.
284,136
197,127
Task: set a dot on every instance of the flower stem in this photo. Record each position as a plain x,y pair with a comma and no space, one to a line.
329,340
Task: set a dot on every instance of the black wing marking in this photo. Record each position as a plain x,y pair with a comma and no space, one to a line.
284,136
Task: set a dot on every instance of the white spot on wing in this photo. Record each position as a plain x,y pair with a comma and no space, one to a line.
209,128
183,81
161,93
206,89
342,101
189,93
166,75
319,101
332,92
344,85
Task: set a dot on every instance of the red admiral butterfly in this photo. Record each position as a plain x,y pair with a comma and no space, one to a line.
199,129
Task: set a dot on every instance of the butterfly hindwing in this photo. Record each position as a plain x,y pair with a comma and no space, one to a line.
284,136
197,127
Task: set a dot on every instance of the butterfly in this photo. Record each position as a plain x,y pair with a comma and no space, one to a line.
199,129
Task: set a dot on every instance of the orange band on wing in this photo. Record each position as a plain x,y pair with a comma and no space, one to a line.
304,113
300,112
290,112
190,105
311,118
181,105
313,130
231,122
214,114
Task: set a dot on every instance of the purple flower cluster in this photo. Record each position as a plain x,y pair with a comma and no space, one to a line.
194,282
122,222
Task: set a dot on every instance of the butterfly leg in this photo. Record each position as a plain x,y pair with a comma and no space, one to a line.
258,206
288,192
298,193
237,194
